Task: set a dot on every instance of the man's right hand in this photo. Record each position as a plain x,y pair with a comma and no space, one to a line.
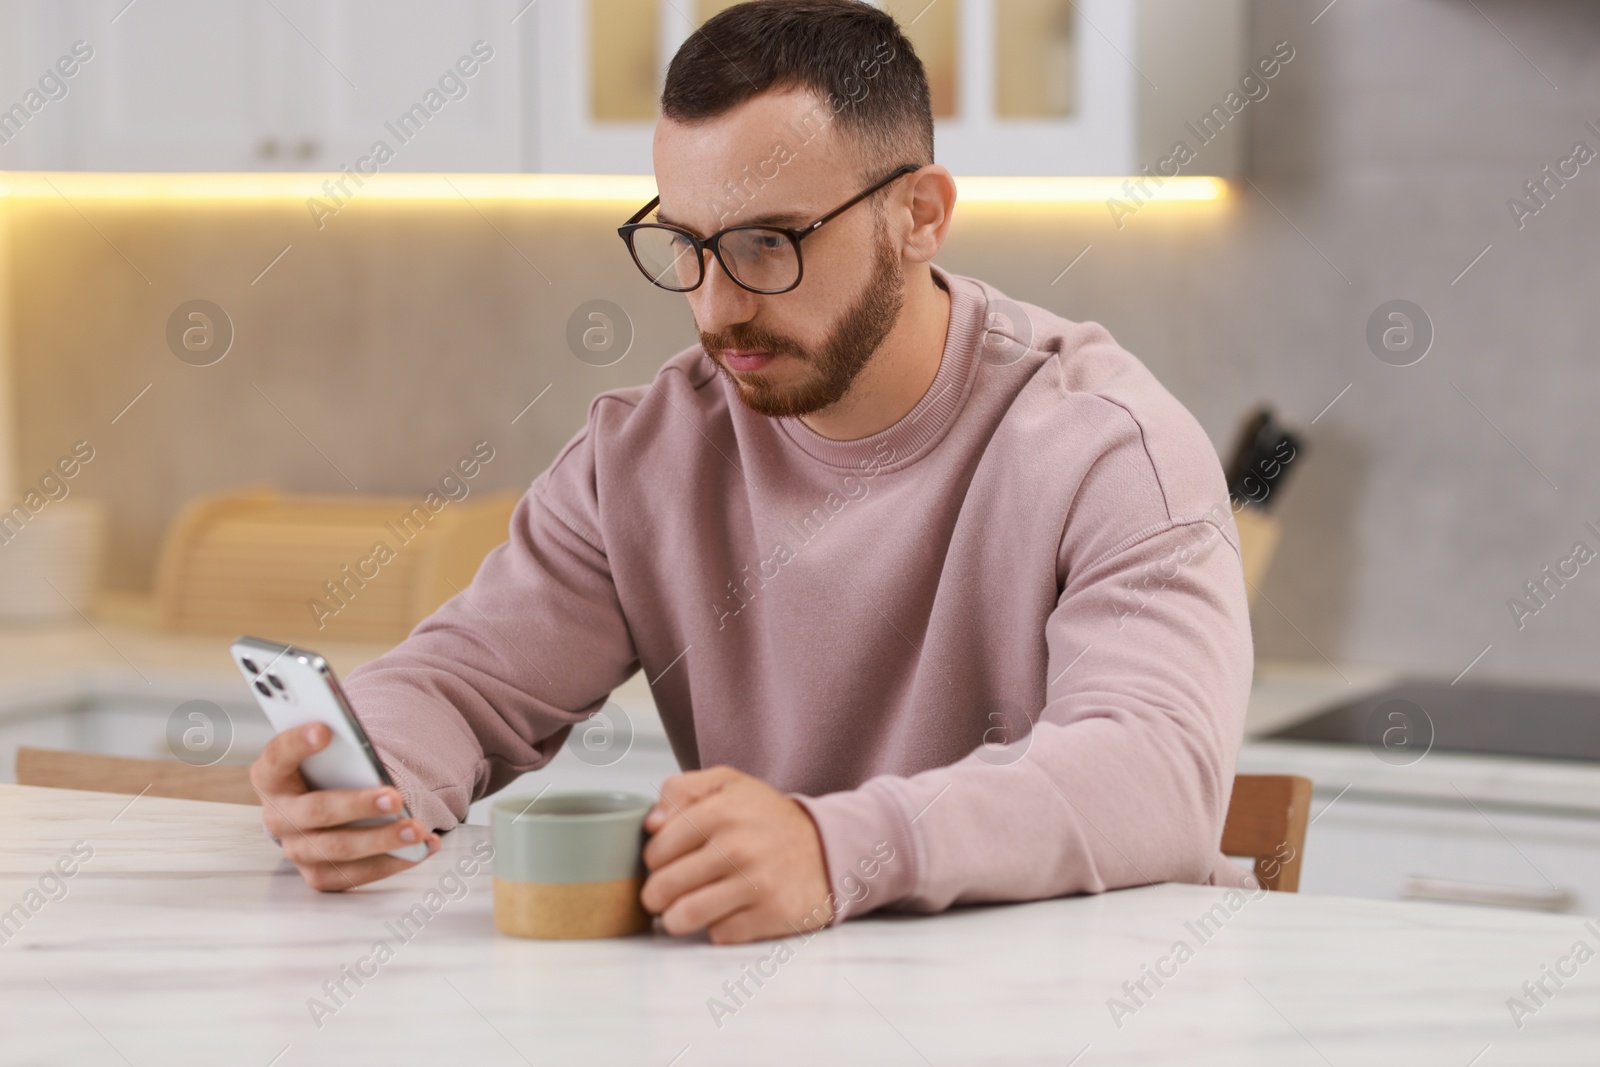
310,822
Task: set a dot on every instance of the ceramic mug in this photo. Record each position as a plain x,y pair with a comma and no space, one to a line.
569,865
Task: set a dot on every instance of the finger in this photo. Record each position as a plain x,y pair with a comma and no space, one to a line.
352,843
689,872
707,906
746,924
322,808
684,790
277,770
337,877
684,830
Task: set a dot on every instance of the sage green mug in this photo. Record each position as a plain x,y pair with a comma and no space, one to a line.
569,865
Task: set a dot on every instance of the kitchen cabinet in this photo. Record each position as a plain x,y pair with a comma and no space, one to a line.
1480,824
97,705
187,85
1019,87
116,718
121,719
441,84
1376,847
36,95
180,85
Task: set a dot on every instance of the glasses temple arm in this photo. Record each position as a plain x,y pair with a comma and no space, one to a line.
642,212
854,200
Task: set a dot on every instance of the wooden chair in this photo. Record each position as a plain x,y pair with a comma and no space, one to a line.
1267,822
227,783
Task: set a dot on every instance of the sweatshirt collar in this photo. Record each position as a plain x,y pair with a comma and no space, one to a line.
928,421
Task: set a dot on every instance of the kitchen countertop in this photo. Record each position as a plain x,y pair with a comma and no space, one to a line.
123,653
122,650
185,938
1284,694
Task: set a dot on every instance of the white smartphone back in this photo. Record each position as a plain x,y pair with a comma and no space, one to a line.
294,687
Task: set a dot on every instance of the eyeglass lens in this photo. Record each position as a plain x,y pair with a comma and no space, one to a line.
757,257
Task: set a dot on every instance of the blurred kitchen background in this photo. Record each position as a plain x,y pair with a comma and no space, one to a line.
358,342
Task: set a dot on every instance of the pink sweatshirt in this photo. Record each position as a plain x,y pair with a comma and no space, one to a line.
1000,650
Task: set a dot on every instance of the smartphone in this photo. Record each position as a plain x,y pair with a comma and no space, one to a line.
295,686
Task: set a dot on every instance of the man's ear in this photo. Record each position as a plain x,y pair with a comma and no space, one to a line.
933,201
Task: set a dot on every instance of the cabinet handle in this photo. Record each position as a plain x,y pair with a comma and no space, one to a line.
1498,896
267,148
306,148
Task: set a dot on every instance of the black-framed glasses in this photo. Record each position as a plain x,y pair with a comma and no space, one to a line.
762,259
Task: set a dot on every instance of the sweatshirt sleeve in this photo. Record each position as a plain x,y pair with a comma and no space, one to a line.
489,685
1125,777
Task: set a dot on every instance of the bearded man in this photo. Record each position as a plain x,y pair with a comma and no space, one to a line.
938,593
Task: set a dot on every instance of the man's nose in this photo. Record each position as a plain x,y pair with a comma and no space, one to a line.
720,302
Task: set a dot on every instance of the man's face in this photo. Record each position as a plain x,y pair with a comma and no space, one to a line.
820,335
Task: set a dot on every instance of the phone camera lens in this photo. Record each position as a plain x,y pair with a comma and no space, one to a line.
250,665
276,684
262,687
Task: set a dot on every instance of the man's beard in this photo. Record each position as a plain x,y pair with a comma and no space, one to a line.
834,367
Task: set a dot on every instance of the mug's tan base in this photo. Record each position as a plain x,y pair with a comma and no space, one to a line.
572,910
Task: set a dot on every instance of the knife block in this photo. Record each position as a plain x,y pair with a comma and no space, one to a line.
1258,541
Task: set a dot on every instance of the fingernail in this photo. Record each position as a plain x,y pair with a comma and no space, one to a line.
311,733
408,834
386,802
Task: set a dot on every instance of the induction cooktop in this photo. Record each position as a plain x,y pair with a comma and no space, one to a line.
1408,719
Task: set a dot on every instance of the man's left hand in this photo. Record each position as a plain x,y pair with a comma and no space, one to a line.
731,855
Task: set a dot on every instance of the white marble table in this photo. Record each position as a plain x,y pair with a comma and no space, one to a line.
186,939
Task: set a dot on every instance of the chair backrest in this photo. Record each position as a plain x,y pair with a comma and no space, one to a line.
227,783
1267,822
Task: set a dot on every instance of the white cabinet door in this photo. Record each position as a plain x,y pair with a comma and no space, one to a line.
1099,137
567,138
177,85
1370,847
309,85
437,85
319,86
34,97
1110,82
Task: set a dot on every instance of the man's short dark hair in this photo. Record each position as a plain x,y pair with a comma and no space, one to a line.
851,55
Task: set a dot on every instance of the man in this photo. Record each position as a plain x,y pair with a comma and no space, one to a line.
939,595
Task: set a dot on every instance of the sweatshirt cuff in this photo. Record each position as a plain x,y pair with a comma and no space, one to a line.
868,847
422,803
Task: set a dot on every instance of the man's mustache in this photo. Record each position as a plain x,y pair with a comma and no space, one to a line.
777,346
